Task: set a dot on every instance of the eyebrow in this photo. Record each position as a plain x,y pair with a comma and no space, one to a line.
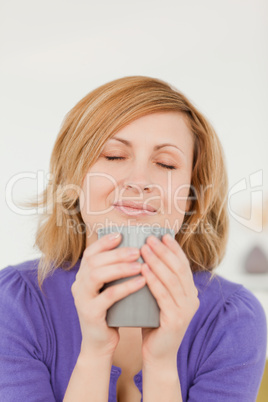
156,147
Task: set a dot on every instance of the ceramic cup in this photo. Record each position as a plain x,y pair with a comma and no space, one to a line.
140,308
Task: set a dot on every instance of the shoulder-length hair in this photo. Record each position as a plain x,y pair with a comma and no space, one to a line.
85,129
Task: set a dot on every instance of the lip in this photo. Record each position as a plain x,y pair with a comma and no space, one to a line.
133,211
135,205
132,208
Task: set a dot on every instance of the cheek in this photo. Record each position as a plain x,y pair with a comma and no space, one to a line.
96,188
180,195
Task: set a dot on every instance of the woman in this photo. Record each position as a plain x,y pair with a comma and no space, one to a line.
139,140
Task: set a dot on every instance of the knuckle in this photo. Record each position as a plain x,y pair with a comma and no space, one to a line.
94,315
153,281
163,294
110,292
164,251
121,268
73,288
87,254
125,252
172,284
120,252
129,283
93,275
88,312
126,266
84,313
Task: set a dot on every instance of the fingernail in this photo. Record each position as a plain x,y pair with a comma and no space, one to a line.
113,236
135,265
140,279
146,267
147,249
169,237
133,252
154,240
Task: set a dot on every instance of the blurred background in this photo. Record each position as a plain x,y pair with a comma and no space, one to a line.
53,53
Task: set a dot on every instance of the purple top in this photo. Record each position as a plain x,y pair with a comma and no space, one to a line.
221,358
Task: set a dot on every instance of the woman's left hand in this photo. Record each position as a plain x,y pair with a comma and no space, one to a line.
170,280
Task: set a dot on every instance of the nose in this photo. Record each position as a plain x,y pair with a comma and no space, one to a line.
147,188
138,184
138,180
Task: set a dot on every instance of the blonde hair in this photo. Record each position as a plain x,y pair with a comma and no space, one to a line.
86,128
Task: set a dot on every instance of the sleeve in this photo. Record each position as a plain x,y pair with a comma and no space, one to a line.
232,358
24,374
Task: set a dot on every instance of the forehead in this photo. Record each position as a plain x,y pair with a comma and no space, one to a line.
164,127
162,121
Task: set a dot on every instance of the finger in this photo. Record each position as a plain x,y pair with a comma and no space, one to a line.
172,255
103,251
114,256
98,277
106,242
170,280
174,247
163,297
168,248
117,292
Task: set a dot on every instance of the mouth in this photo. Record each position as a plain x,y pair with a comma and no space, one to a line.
131,208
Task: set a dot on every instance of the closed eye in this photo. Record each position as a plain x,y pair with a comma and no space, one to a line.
111,158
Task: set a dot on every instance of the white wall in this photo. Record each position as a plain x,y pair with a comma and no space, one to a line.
55,52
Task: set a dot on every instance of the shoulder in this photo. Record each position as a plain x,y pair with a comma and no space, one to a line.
229,315
24,275
22,316
15,275
17,281
19,286
216,293
225,343
33,310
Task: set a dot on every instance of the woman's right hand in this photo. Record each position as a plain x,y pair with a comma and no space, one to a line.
101,264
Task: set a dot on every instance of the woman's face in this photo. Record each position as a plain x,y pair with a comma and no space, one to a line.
149,173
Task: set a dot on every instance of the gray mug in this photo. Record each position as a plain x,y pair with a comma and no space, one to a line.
139,309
